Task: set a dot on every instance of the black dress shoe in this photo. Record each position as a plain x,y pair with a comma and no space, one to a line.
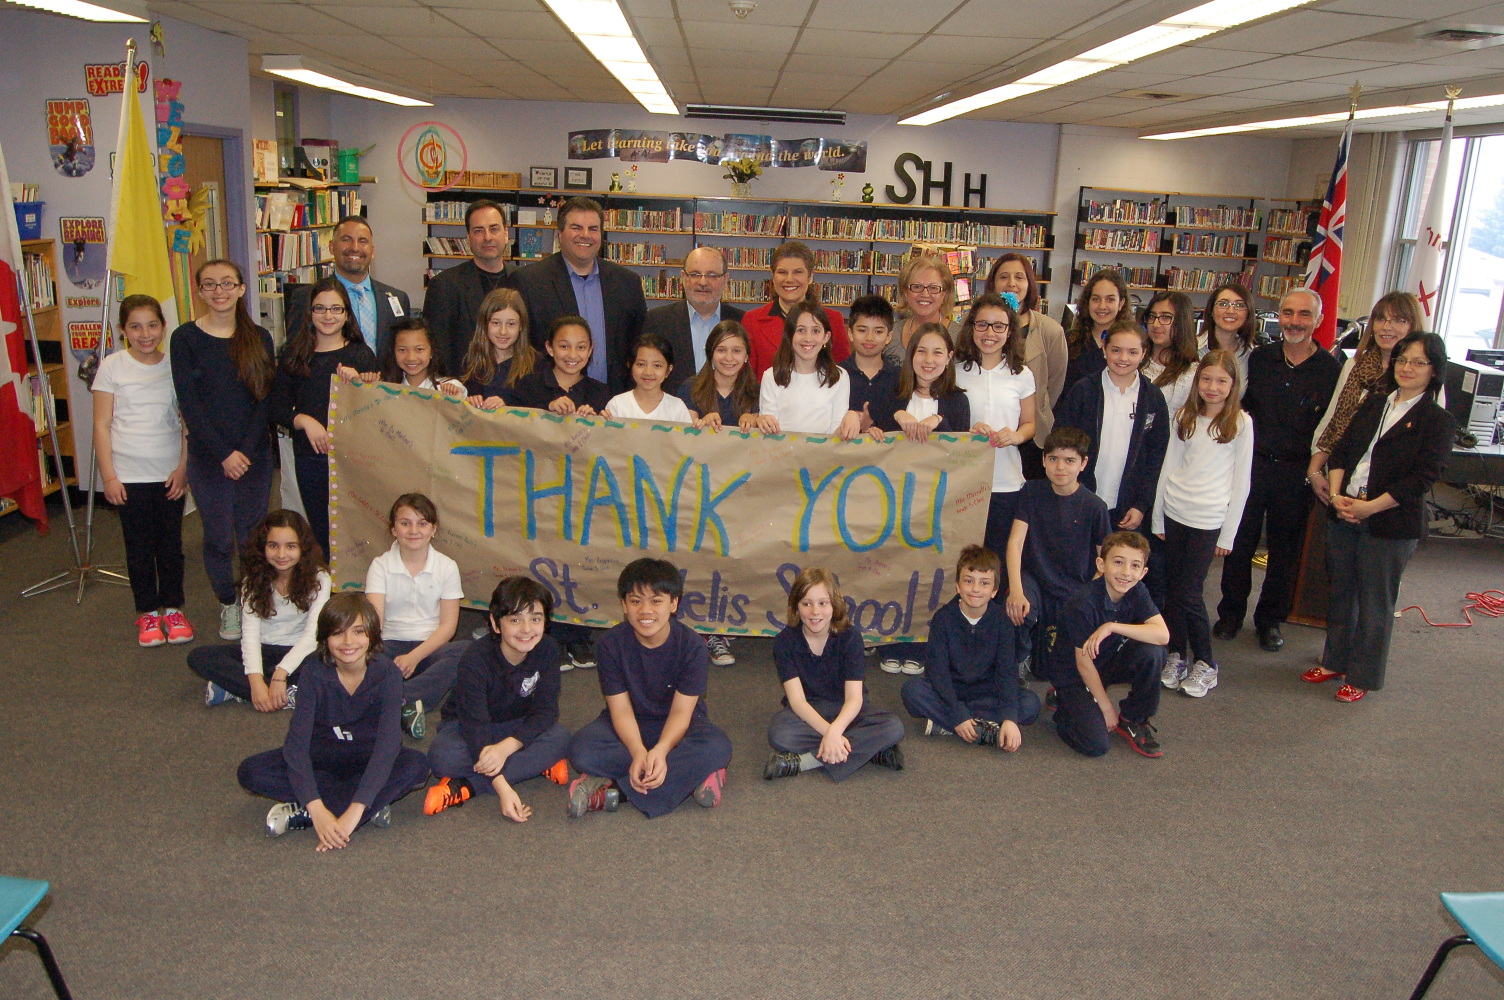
1270,641
1226,629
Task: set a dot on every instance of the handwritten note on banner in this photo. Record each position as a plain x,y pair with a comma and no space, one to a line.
570,501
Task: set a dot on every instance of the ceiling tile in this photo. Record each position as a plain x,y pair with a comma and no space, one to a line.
1300,31
715,35
499,24
657,31
1295,68
819,81
1221,103
462,47
1402,8
367,49
977,51
284,17
827,42
752,59
394,21
1306,90
1475,60
850,65
788,13
737,94
1415,75
1193,61
898,16
1000,20
1207,85
443,6
729,75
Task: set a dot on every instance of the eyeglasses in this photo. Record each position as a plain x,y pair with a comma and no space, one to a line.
1411,363
982,326
925,289
328,310
704,275
1236,305
1161,317
228,285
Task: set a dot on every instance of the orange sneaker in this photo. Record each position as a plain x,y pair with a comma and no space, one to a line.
443,795
176,626
559,773
149,630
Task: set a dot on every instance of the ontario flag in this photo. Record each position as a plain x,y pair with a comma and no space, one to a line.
1424,279
20,475
1324,272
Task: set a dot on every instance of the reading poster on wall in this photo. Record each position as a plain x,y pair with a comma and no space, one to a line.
70,136
83,250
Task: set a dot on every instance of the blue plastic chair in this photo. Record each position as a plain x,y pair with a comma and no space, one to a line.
18,897
1481,915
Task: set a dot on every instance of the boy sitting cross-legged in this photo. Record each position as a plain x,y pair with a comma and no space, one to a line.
654,743
970,684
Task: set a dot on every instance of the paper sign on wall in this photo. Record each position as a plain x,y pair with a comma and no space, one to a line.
83,250
70,136
103,79
83,337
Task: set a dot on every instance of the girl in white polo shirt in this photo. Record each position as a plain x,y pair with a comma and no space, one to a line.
804,391
416,590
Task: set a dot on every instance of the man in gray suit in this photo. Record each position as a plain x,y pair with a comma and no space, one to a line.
454,295
377,305
687,324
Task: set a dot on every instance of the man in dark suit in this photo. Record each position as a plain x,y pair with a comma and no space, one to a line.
377,305
575,281
454,295
687,324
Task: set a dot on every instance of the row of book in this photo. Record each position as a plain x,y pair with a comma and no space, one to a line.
620,219
1136,240
284,210
1272,286
1027,235
1290,220
289,251
637,253
1195,279
1147,213
1282,250
453,212
1220,217
448,246
1206,244
740,223
41,286
41,399
1141,277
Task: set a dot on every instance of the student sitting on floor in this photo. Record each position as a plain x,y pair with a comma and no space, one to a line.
502,725
343,763
1046,567
654,742
1110,633
826,721
970,684
416,590
283,587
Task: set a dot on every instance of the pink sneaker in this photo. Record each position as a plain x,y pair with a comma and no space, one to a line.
709,792
177,627
149,630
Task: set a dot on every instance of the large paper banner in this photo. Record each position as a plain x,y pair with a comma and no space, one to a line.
661,147
570,501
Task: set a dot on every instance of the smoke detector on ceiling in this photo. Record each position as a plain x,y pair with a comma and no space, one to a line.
741,8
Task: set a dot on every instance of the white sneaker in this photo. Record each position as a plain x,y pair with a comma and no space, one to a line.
1202,679
1174,671
911,667
229,622
932,728
286,816
890,665
720,651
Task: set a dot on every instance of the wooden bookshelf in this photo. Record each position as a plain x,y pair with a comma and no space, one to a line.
51,339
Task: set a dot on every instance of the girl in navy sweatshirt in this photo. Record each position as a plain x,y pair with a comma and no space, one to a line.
502,725
929,400
343,763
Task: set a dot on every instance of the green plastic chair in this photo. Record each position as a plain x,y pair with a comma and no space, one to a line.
1481,915
18,897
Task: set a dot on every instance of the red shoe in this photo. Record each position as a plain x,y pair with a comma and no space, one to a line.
149,630
589,793
559,773
709,792
1319,675
177,627
443,795
1350,694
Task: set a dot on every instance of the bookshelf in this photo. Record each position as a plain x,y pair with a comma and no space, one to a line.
1191,242
858,247
39,258
295,229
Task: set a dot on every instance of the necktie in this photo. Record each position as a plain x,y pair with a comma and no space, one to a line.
365,315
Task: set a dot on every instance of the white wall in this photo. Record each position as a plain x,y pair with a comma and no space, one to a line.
1019,159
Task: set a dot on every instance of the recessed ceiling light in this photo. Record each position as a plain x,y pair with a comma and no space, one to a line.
1198,22
304,70
132,11
603,29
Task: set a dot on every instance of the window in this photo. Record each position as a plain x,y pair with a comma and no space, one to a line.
285,101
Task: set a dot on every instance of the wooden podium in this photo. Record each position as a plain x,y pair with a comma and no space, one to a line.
1312,586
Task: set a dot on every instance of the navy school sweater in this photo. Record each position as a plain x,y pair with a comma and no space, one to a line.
1081,407
332,728
962,660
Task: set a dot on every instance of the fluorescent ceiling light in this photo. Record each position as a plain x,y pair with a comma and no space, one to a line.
1196,23
603,29
328,78
116,11
1393,111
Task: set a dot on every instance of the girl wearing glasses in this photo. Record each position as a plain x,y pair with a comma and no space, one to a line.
222,371
328,343
1381,467
926,294
1230,325
1171,361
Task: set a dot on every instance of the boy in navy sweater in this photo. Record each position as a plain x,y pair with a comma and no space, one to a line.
970,684
1047,566
874,377
654,743
343,763
1110,633
1125,416
502,725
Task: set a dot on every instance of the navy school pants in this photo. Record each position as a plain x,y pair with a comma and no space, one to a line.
229,510
337,779
152,526
704,750
923,702
450,756
1079,721
870,733
222,665
434,678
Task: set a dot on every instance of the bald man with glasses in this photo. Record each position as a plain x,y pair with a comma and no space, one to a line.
687,324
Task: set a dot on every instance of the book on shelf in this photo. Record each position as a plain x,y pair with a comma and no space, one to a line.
1288,220
284,210
641,218
1125,211
1285,250
1135,240
448,246
39,283
638,254
1220,217
286,251
747,258
1273,286
41,399
740,223
1205,244
531,244
1144,277
264,161
1196,279
838,293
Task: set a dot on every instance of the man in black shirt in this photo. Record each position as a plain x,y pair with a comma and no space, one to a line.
1289,387
454,295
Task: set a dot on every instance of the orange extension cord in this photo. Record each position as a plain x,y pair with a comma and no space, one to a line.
1489,602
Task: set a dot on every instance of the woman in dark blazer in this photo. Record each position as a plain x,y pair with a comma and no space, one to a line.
1380,469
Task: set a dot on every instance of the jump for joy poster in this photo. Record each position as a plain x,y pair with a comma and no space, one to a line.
70,136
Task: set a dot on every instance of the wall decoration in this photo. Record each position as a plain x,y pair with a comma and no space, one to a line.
83,337
83,302
543,177
83,250
425,155
578,178
101,79
661,147
70,136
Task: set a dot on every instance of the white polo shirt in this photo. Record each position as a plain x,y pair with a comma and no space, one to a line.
412,601
1118,409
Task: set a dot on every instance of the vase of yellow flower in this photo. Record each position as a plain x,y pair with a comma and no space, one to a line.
741,173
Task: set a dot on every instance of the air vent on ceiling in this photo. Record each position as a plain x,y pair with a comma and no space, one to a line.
745,114
1464,36
1155,95
1440,35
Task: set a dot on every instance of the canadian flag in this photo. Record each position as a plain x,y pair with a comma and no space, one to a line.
20,476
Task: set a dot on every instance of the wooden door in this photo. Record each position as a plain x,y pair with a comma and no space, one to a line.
204,164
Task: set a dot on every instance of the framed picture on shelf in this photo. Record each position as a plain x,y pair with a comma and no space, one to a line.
543,177
577,178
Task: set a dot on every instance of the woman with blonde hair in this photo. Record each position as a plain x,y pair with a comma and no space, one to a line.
926,294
